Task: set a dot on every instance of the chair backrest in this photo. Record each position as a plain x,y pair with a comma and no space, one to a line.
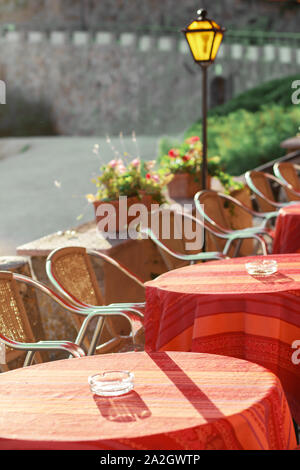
239,218
14,323
227,215
72,269
214,209
79,277
289,173
72,272
178,232
262,183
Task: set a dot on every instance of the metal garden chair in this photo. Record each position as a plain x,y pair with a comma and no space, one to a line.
71,272
211,205
173,248
287,173
260,184
15,329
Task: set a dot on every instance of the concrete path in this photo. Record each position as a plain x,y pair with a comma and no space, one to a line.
43,182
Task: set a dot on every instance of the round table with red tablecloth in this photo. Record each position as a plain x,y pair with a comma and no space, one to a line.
184,401
287,230
217,307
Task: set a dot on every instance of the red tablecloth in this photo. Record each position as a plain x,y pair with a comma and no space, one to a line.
217,307
180,401
287,230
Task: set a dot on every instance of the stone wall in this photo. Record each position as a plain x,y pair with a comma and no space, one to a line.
99,83
135,14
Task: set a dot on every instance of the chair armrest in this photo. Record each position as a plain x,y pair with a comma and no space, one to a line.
250,233
181,256
266,215
67,346
31,348
118,308
245,235
137,307
83,311
134,317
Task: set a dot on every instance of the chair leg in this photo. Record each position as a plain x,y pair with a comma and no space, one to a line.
237,248
227,247
264,246
28,358
296,431
96,336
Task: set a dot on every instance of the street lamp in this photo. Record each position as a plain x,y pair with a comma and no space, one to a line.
204,38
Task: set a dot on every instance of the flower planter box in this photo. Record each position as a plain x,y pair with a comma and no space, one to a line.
146,199
184,185
114,220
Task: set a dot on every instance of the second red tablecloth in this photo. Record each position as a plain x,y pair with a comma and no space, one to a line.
217,307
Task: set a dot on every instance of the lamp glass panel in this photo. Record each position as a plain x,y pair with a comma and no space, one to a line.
216,45
200,25
201,44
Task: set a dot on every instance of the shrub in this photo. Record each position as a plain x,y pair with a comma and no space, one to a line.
276,91
245,140
247,131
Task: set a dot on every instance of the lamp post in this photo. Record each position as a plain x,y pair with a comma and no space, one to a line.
204,37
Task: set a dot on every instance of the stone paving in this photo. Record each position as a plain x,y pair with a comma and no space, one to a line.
43,187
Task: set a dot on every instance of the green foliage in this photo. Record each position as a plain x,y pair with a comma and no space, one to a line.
276,91
114,182
245,140
247,131
132,179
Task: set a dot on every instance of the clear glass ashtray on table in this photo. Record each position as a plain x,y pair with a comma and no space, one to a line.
111,383
262,267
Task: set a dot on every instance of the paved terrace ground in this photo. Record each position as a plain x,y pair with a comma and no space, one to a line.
31,203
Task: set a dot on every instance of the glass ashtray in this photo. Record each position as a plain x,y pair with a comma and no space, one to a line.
262,268
111,383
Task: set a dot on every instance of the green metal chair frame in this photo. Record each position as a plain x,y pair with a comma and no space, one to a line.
286,184
257,192
256,233
130,310
190,258
15,307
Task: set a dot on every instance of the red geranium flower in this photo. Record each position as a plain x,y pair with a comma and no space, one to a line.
193,140
148,176
173,153
186,158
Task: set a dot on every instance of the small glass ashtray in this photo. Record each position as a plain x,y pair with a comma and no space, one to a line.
111,383
262,267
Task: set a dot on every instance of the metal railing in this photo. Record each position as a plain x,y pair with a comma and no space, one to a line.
232,36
